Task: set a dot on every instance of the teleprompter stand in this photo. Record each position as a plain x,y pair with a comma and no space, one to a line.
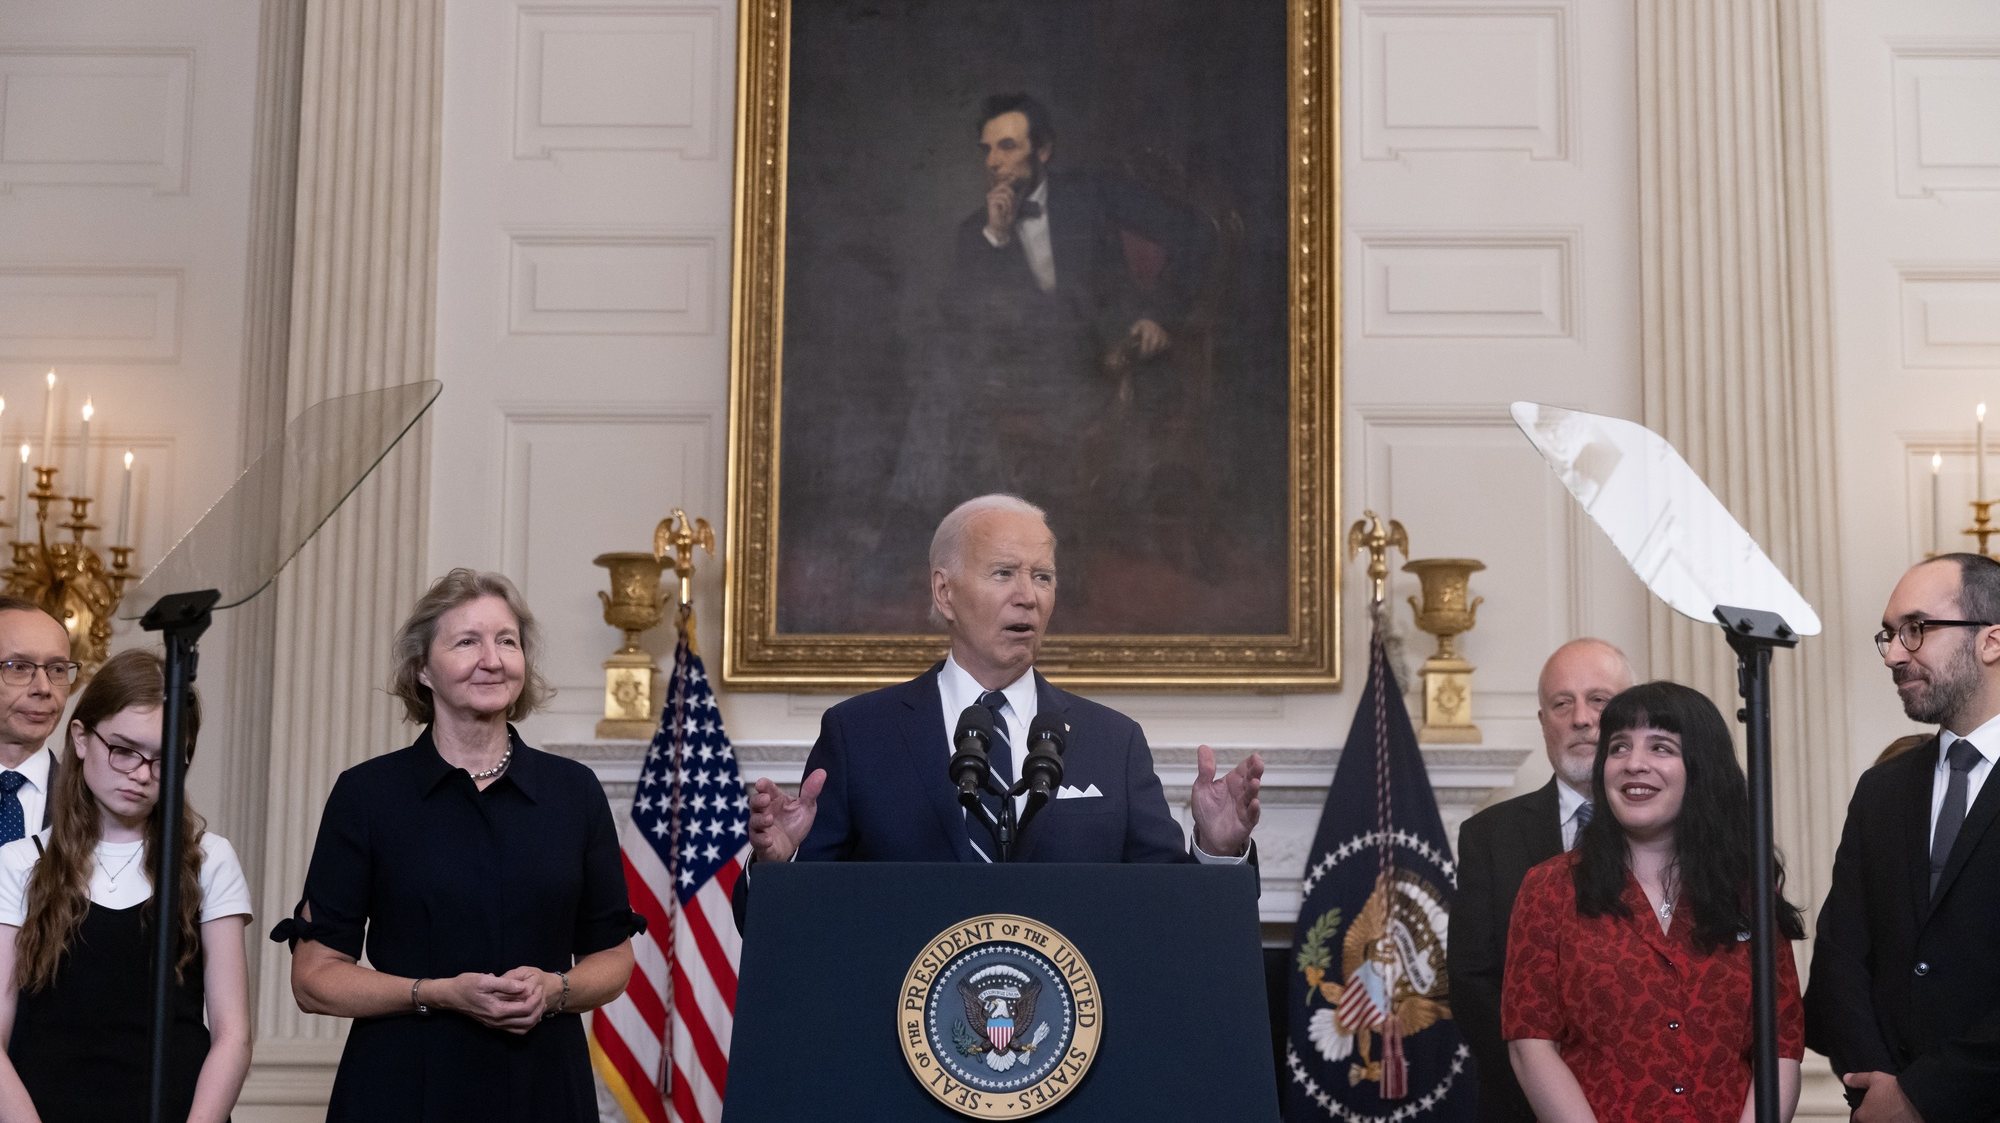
1693,555
1752,634
231,555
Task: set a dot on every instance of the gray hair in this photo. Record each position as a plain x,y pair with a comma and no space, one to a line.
412,645
948,544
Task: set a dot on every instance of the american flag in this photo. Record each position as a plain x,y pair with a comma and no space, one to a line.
662,1048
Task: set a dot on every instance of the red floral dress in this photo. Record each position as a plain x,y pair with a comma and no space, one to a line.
1651,1028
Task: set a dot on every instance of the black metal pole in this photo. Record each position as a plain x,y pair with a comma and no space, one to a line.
182,618
1752,634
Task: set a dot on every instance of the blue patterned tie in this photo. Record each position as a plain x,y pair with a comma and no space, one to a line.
1002,757
1583,813
13,823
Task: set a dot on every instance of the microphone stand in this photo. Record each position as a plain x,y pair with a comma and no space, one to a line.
1004,828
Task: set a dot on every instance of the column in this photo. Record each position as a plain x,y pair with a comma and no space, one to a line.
362,312
1736,360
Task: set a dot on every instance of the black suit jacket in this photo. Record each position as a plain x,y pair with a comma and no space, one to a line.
1496,849
889,796
1906,981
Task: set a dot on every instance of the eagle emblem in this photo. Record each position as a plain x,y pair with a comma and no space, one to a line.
999,1013
1392,981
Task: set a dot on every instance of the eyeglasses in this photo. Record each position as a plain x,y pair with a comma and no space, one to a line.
20,672
125,760
1910,633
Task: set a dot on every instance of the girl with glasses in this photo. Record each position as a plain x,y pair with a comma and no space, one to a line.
77,923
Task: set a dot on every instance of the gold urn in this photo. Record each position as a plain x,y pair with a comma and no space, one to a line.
634,689
1448,609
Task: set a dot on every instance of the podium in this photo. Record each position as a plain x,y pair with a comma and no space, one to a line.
857,976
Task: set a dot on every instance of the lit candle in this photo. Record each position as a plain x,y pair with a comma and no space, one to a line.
83,453
1979,440
1937,510
125,506
49,417
21,496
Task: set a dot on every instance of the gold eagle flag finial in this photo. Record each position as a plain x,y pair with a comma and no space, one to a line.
1369,534
678,536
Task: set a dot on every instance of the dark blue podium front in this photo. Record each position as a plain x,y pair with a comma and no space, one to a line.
1174,948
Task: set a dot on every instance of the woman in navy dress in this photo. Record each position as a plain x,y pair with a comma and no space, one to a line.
76,924
481,878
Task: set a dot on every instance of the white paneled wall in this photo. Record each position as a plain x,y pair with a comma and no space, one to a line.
124,194
583,305
1490,201
1913,94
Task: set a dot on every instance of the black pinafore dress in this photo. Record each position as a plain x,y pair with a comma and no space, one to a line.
82,1044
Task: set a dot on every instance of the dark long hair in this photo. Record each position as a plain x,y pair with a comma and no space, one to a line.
59,889
1711,835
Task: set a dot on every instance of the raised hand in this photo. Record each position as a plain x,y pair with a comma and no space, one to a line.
779,823
1001,206
1226,808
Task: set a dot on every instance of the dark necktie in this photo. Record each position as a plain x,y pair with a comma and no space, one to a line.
1003,752
1583,812
1950,817
13,823
1028,208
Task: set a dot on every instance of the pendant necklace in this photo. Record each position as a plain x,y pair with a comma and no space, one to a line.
113,877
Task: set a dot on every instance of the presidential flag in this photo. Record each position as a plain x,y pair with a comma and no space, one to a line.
1371,1039
662,1048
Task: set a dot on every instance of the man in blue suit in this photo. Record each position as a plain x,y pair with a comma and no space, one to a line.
877,786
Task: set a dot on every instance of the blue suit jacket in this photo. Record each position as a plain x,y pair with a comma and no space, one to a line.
888,795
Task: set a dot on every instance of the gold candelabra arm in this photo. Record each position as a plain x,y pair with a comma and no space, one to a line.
79,518
121,568
1982,526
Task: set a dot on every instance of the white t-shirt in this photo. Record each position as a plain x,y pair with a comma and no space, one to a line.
223,890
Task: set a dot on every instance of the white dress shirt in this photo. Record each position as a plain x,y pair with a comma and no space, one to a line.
1986,739
34,791
1568,800
1034,237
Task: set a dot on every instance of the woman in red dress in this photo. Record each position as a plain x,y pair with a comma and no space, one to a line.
1627,991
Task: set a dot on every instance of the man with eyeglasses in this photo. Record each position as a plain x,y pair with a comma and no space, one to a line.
1904,995
35,675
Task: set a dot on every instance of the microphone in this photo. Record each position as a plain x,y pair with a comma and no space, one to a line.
1044,766
972,741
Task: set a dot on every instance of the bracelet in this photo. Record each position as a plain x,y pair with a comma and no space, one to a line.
562,1000
415,1001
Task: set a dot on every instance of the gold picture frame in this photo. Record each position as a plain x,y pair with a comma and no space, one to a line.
779,81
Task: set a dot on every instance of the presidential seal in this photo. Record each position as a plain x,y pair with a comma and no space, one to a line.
999,1017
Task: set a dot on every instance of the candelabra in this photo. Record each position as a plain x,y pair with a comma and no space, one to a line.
1982,527
68,578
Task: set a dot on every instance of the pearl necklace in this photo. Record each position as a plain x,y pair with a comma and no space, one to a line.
113,877
506,758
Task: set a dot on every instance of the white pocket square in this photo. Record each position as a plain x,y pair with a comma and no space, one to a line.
1067,792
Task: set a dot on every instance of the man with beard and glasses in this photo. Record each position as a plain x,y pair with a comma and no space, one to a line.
1498,846
1904,996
